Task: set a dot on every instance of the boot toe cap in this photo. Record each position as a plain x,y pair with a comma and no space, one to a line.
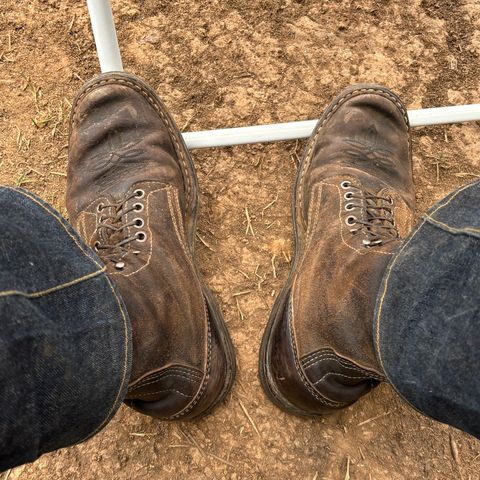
165,393
314,384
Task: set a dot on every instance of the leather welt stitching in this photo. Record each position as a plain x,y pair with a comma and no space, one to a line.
332,110
163,391
321,353
334,374
368,373
173,213
199,395
176,375
306,382
157,375
155,104
343,362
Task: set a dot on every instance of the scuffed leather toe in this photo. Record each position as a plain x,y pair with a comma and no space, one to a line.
164,393
316,384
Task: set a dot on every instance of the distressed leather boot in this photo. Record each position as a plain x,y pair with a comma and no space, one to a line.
353,202
132,195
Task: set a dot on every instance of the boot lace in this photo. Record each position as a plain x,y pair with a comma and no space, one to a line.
371,214
114,242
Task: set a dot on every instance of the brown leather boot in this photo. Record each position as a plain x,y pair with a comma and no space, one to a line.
353,201
132,195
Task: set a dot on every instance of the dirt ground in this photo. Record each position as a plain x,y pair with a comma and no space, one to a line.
224,63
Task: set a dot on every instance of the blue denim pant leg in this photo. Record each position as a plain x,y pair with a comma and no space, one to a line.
427,319
65,340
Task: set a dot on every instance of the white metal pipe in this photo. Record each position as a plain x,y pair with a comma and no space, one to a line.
444,115
110,61
105,35
294,130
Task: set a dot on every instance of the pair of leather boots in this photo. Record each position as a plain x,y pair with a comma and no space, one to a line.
132,195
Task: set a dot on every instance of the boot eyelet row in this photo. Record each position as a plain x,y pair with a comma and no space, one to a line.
141,237
138,222
351,220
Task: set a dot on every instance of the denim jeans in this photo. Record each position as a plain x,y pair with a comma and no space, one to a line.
65,340
427,320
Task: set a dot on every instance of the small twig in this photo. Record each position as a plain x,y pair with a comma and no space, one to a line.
240,313
220,459
192,441
243,273
249,223
454,449
273,266
7,474
347,473
71,23
249,417
78,77
270,204
204,242
188,122
361,454
239,294
384,414
466,174
37,172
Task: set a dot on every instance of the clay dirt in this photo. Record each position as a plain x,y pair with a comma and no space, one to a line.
226,63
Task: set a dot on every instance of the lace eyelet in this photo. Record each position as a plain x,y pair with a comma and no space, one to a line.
141,237
96,245
138,207
348,195
120,265
345,184
351,220
139,193
100,207
138,222
349,206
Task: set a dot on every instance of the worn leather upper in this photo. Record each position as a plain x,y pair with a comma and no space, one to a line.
354,200
132,196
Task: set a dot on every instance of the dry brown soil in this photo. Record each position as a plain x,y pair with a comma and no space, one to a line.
224,63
